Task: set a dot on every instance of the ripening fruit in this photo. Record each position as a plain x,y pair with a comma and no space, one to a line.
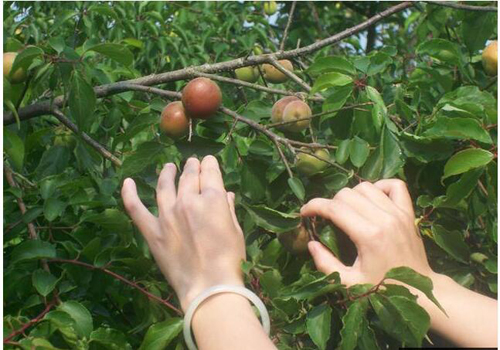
18,76
490,58
279,106
201,98
270,7
295,241
64,139
248,74
309,165
273,75
257,50
296,110
173,120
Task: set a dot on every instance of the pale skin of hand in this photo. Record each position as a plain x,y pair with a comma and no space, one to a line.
197,243
379,219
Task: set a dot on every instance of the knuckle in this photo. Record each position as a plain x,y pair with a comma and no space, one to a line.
214,193
342,193
364,185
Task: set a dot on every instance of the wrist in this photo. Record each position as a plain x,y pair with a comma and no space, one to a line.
193,292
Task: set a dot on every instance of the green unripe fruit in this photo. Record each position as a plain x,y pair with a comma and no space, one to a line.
19,75
490,58
295,241
270,7
257,50
248,74
309,165
296,110
275,76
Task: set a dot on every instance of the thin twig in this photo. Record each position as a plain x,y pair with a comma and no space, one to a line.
20,202
120,278
285,33
93,143
457,6
289,74
31,322
283,158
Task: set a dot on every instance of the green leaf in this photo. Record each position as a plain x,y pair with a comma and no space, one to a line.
53,208
352,326
44,282
342,153
452,242
318,325
13,145
332,64
54,161
466,160
112,220
328,80
458,128
116,52
271,282
147,153
297,187
272,220
81,316
33,249
463,187
110,338
103,10
161,334
412,278
359,150
401,318
82,102
25,58
441,49
476,28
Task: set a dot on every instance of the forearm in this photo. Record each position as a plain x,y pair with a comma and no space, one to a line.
227,321
472,318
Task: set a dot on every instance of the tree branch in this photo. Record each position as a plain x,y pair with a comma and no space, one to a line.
289,74
285,33
93,143
457,6
43,108
120,278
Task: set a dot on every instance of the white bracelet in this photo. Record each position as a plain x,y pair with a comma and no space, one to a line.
221,288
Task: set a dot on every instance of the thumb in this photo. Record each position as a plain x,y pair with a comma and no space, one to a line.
323,258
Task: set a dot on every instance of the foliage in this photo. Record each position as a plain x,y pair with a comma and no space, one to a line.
429,117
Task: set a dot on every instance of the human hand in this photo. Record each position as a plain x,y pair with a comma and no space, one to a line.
379,219
196,240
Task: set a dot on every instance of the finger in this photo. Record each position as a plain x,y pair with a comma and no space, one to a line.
230,201
324,260
189,182
362,205
165,189
342,215
376,196
142,218
210,175
398,193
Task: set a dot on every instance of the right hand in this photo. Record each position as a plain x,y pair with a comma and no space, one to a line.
380,221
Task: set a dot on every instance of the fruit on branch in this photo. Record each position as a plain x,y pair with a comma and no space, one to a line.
309,165
64,139
490,58
248,74
257,50
273,75
279,106
201,98
270,7
174,121
296,110
16,77
295,241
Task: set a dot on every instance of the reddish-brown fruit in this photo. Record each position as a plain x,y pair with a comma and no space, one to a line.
201,98
275,76
279,106
295,241
173,120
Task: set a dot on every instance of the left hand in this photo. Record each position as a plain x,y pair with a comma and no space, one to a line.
196,240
